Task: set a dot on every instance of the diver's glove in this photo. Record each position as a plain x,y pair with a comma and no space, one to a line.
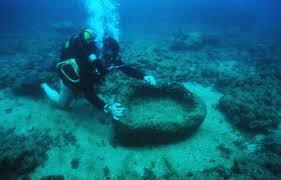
92,57
150,79
115,109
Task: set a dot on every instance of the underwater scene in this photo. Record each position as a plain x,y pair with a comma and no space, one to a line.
140,90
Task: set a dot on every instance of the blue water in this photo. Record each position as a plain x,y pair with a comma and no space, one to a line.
228,51
259,14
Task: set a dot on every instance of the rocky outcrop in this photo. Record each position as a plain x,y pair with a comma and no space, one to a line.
249,112
21,154
192,41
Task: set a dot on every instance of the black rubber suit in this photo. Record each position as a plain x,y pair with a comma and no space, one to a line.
92,73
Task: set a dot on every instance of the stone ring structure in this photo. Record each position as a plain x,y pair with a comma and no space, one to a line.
158,114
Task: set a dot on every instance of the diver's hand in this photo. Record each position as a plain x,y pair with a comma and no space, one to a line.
115,109
150,79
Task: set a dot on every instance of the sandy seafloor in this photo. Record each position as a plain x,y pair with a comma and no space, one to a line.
97,155
95,151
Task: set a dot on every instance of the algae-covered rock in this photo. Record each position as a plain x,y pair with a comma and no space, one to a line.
158,114
273,143
21,154
192,41
248,112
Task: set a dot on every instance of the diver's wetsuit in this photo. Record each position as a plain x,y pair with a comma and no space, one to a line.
90,73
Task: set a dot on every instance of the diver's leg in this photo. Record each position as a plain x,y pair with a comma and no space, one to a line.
52,94
63,98
66,95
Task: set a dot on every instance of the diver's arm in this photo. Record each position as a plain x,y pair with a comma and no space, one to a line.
94,99
130,71
138,74
68,49
65,54
115,109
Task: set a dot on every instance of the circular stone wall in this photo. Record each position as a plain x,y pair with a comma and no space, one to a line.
158,114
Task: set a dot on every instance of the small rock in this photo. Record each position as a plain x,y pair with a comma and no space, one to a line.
235,168
106,172
53,177
8,110
189,174
225,151
75,163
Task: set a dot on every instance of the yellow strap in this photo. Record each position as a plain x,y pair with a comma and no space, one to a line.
66,44
75,67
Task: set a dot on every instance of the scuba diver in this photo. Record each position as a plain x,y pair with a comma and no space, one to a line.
81,67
